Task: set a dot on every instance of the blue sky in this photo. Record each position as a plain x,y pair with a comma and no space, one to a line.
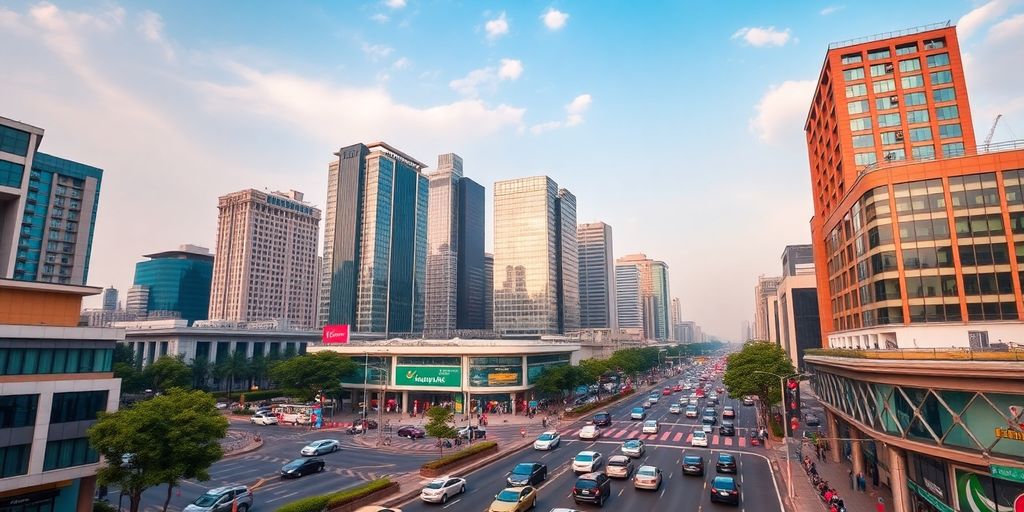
678,123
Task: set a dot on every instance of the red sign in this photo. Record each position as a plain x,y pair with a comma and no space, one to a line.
335,334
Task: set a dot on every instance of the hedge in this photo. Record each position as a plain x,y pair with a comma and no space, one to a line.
326,501
583,409
251,396
459,455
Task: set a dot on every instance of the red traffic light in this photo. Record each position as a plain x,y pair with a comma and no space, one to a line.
794,424
792,384
792,406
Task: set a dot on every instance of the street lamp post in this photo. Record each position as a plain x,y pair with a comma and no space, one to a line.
785,427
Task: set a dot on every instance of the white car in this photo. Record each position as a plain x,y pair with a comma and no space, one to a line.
700,438
653,398
633,448
263,418
321,446
441,489
675,409
587,462
650,427
547,441
590,432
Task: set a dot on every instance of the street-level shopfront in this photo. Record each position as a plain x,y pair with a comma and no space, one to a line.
487,376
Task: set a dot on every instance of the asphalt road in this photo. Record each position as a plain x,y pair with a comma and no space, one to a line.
665,450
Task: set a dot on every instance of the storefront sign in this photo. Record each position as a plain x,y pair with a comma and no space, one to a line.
502,379
335,334
428,376
1007,473
929,497
1005,433
982,493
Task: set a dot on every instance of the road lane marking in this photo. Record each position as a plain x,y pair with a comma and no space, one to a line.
728,441
282,497
450,503
678,436
664,437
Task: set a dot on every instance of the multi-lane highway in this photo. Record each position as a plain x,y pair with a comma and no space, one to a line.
665,450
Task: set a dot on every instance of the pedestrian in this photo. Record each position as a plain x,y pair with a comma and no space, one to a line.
852,480
862,484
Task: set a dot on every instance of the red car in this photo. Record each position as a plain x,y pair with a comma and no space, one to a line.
677,389
666,391
720,390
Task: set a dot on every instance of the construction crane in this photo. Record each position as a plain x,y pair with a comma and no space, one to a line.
992,131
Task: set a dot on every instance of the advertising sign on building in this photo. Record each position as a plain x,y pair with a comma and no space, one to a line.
429,376
335,334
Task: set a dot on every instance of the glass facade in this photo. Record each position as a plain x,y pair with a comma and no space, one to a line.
596,277
495,371
67,453
662,300
39,361
472,290
78,406
178,281
14,141
18,410
536,365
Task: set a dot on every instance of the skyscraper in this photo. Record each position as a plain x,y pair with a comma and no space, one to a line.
536,290
178,281
628,302
799,322
375,240
488,291
136,301
766,309
109,298
266,257
50,211
676,317
455,250
654,294
598,308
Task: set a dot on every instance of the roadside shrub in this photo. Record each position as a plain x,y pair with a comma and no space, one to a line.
459,455
334,499
583,409
103,506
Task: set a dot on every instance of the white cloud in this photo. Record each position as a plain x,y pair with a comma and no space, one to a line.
380,18
554,19
401,63
972,21
497,27
395,4
376,52
782,111
573,115
762,36
510,69
832,9
151,26
487,78
992,66
1006,29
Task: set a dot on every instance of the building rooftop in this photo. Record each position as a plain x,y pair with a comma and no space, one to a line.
185,251
37,286
377,146
1002,352
888,35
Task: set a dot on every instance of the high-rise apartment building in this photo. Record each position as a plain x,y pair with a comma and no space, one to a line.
654,295
598,308
266,258
488,291
797,297
766,309
109,298
536,290
676,317
51,208
177,281
628,301
917,235
375,241
137,301
455,251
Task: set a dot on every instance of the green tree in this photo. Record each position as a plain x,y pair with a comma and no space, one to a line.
439,425
201,369
309,374
126,369
289,351
170,438
166,373
259,366
747,373
593,369
235,366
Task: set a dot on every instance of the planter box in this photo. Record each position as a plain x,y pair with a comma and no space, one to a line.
600,405
369,499
445,470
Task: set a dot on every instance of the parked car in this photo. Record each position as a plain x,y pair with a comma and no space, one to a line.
441,489
411,432
590,432
476,431
302,467
527,473
321,446
547,441
693,465
726,463
650,427
725,489
220,499
633,448
647,477
514,499
619,466
587,462
638,413
603,419
699,439
728,428
592,488
263,418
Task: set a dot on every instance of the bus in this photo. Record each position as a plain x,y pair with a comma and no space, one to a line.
292,413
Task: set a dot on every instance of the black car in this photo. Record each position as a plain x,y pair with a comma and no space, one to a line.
302,467
726,463
726,490
602,419
811,420
592,488
693,465
411,432
527,473
727,429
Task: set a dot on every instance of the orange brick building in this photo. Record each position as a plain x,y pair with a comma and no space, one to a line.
918,232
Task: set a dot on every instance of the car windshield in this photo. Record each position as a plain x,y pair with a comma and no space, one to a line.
295,463
508,495
691,459
727,459
601,416
583,483
651,423
699,434
207,499
646,471
724,483
546,437
708,420
436,484
618,462
523,469
584,457
631,444
638,410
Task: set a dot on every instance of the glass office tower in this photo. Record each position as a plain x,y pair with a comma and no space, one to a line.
178,281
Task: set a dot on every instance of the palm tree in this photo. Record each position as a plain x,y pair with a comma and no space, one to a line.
232,367
258,368
201,369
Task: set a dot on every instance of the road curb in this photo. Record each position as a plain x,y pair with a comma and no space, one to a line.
253,446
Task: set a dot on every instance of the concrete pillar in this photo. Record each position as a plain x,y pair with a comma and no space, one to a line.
512,398
86,492
856,454
833,436
898,480
406,406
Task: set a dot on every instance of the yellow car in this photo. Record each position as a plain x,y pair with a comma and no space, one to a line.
514,499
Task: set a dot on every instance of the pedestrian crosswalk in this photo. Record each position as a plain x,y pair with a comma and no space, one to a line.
682,438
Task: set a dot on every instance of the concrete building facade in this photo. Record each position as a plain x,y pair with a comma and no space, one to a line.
628,301
799,324
655,297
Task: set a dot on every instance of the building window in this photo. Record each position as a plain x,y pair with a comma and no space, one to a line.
881,53
943,95
887,120
863,141
36,361
893,155
68,453
914,98
852,58
917,116
856,90
953,149
887,102
13,141
949,131
881,69
857,107
11,174
18,411
923,152
941,77
907,66
883,86
935,44
947,112
906,49
920,134
889,138
865,158
861,123
14,460
78,406
912,81
938,60
853,74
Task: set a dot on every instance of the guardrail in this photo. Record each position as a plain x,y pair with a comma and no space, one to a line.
1011,353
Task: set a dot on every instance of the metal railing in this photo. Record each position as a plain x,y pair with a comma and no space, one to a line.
1012,352
982,149
888,35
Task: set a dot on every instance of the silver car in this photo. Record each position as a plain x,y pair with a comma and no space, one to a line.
619,466
633,448
221,499
321,446
647,477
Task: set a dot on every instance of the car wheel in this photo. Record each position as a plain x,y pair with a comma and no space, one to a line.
601,503
444,498
335,448
322,467
462,490
243,507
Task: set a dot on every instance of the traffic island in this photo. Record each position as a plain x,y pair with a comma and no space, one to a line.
347,500
446,464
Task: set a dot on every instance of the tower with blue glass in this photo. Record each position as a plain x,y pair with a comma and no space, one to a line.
178,281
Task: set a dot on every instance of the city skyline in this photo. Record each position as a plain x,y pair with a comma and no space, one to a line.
505,87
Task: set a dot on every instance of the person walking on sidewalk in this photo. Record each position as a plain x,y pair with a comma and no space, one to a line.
852,480
862,484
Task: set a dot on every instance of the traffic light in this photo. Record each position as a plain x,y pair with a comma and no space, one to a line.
794,424
792,401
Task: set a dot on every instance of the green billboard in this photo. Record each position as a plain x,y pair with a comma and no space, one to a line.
429,376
